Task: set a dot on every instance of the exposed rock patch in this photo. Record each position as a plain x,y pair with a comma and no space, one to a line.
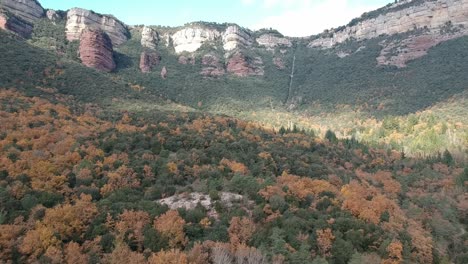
235,37
164,73
149,38
398,53
190,39
187,60
148,60
430,15
27,10
271,41
53,15
79,19
96,50
279,63
15,25
190,201
242,66
212,66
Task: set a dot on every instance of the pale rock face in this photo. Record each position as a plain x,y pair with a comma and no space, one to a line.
432,15
271,41
80,19
235,37
164,73
189,201
192,38
3,22
52,15
149,38
27,10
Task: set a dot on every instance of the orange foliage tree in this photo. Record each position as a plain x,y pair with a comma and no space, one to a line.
171,225
240,231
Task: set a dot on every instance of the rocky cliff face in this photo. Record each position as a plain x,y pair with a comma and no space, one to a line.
53,15
96,50
148,60
235,37
242,66
271,41
79,20
190,39
18,16
26,10
212,66
16,25
149,38
402,17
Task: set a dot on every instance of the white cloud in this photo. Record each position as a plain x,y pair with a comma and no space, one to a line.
301,18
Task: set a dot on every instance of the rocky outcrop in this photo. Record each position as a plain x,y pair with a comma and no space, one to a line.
79,20
149,38
96,50
235,37
148,60
212,66
53,15
27,10
402,17
15,25
242,66
190,201
190,39
187,60
399,52
18,16
271,41
164,73
279,63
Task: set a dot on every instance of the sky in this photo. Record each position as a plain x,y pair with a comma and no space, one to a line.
295,18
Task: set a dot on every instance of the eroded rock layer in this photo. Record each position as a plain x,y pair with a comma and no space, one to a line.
79,19
242,66
96,50
402,17
190,39
235,37
212,67
27,10
148,60
149,38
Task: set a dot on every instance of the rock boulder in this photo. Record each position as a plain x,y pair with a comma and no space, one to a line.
96,50
148,60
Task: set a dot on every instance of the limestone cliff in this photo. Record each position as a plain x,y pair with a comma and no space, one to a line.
80,19
96,50
401,17
18,16
271,41
16,25
149,38
26,10
190,39
235,37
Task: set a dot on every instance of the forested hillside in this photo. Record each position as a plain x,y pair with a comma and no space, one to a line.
79,189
